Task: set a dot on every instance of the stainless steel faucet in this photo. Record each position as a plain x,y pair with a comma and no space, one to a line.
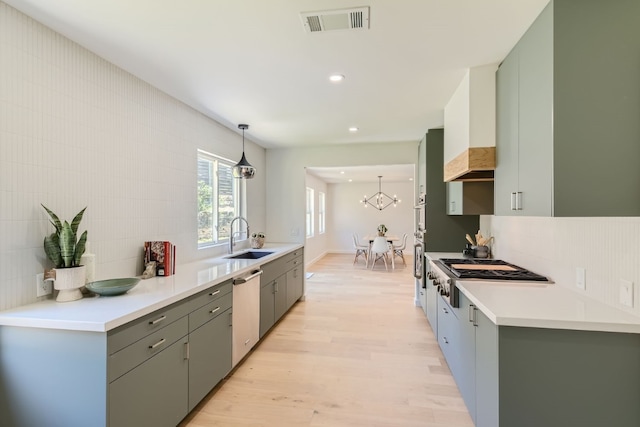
231,234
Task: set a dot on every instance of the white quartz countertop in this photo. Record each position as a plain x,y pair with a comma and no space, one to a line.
542,305
101,314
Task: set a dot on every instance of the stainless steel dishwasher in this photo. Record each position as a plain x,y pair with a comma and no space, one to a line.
246,314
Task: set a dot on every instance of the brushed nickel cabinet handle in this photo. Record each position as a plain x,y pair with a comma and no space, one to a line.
214,310
519,200
158,320
214,293
187,351
157,344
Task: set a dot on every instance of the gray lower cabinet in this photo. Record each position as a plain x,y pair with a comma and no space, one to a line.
209,347
465,374
282,284
162,375
154,393
295,282
149,372
530,377
273,302
422,297
448,331
486,372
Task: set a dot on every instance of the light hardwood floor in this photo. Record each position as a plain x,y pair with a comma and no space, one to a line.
356,352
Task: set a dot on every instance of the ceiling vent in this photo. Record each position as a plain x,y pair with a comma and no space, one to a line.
331,20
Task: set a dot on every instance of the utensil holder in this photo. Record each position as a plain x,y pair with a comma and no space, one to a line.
480,251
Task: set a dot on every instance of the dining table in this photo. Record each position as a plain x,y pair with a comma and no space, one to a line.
391,238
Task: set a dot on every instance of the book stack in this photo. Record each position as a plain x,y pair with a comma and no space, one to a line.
164,254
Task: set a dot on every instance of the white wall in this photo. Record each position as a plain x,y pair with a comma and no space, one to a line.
606,247
286,178
348,215
315,247
76,131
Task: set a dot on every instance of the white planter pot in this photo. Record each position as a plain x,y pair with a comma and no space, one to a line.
68,282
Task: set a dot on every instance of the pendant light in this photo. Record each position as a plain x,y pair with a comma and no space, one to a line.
243,169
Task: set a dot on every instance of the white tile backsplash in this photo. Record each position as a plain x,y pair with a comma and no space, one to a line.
605,247
76,131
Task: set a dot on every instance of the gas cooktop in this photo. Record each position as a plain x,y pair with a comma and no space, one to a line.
488,269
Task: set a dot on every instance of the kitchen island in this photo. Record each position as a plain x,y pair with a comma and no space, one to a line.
143,358
526,354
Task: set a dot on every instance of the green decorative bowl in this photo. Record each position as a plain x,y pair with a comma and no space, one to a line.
112,287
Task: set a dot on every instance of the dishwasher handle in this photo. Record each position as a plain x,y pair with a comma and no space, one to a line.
245,279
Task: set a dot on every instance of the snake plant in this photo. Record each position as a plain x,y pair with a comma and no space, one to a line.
62,247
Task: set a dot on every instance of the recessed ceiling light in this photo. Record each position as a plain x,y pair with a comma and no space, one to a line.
353,129
341,172
336,78
350,180
410,179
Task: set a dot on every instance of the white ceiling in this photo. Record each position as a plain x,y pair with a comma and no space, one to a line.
251,61
370,173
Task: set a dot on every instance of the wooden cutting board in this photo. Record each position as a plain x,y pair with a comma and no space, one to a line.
499,267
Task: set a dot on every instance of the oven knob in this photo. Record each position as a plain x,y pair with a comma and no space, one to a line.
430,275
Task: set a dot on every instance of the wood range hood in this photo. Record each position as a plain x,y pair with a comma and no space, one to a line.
473,164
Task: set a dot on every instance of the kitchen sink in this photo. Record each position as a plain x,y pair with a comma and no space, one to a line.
249,255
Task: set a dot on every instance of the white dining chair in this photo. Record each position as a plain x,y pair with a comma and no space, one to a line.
380,249
361,250
398,250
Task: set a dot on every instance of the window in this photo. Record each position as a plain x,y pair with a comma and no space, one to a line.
219,199
321,212
310,212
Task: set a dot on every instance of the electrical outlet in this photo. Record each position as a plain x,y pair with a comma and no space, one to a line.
43,288
626,293
581,278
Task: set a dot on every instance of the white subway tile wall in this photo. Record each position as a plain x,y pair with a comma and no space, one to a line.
76,131
607,248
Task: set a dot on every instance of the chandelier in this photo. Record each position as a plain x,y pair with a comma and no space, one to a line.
380,200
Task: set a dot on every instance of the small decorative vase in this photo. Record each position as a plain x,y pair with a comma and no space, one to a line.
68,281
380,233
257,242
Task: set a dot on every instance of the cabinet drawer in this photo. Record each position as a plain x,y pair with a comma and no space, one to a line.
272,270
211,294
448,327
292,255
135,330
210,311
129,357
293,263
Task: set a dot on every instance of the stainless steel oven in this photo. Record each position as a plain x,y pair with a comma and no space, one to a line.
418,251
